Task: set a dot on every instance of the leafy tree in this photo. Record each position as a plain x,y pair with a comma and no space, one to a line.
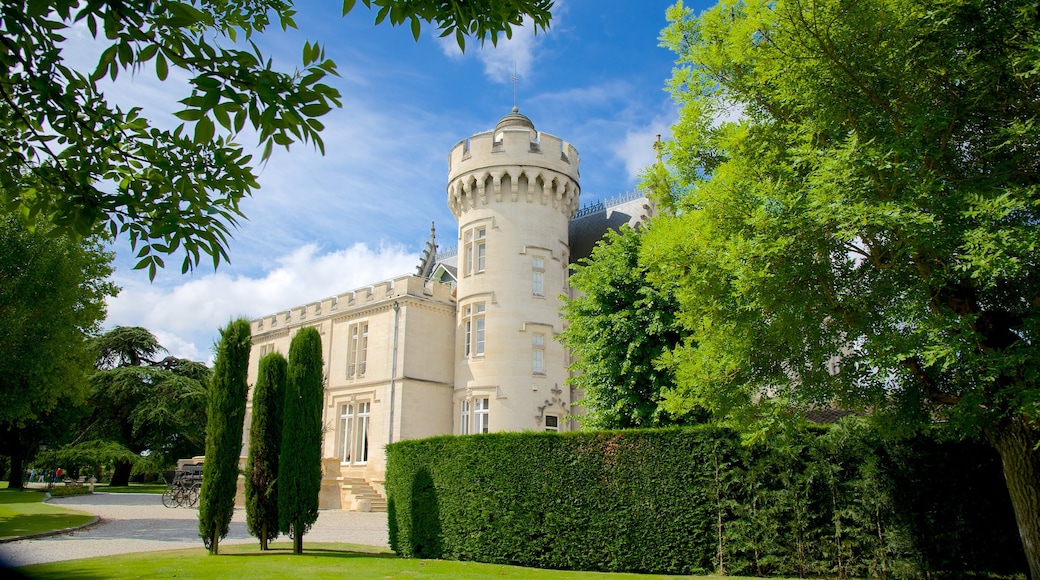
52,298
873,206
299,463
85,164
143,403
265,440
225,417
618,328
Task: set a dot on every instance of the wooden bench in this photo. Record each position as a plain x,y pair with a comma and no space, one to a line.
69,482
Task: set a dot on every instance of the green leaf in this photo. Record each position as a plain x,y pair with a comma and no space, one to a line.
189,114
204,130
315,109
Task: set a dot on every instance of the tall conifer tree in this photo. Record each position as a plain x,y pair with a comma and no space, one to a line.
225,418
299,465
265,441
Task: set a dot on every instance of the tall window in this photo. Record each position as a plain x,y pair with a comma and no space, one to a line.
464,419
538,354
361,437
475,250
538,277
481,411
353,432
357,350
473,329
552,423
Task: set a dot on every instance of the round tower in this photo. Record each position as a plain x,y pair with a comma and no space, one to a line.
513,191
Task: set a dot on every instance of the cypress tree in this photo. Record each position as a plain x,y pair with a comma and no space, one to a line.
299,464
265,440
225,416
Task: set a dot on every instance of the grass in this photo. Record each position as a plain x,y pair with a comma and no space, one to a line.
318,561
132,488
23,513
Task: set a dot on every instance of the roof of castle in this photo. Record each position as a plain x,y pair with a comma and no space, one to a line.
514,119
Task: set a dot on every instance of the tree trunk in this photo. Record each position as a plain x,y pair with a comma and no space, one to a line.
214,542
263,536
1016,442
16,479
121,474
297,541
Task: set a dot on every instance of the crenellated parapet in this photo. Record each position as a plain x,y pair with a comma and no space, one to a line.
396,288
513,163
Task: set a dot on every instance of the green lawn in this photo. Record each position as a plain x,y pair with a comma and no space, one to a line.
23,513
318,561
132,488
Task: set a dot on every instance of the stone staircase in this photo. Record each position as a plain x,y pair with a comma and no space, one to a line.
358,495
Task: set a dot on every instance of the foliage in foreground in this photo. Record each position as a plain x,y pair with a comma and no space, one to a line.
839,501
860,179
78,160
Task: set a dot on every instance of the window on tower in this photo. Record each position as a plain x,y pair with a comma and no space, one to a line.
538,276
473,329
475,250
538,354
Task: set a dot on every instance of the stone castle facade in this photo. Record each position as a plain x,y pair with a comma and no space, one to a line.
468,344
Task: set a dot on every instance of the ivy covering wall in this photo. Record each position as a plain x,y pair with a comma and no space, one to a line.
837,501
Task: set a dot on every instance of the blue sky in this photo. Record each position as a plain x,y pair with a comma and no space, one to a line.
322,225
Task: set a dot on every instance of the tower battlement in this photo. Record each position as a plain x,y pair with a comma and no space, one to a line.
514,146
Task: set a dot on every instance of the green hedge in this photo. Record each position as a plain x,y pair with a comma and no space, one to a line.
825,501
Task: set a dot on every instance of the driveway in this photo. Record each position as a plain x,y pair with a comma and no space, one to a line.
139,523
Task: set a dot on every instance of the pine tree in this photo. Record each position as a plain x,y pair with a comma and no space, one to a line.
299,464
265,441
225,417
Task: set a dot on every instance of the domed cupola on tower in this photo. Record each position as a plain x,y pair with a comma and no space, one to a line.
513,191
514,119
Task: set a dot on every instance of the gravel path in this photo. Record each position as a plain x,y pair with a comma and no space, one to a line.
140,523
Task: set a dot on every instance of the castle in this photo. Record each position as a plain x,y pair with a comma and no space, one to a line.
467,344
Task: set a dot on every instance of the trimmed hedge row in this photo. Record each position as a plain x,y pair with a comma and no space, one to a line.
834,501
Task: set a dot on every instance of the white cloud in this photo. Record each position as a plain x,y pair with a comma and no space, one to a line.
186,317
510,56
636,150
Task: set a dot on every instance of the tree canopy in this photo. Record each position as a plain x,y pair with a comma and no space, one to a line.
52,299
139,402
619,327
71,156
857,219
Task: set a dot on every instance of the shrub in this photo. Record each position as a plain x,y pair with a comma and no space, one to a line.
836,501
